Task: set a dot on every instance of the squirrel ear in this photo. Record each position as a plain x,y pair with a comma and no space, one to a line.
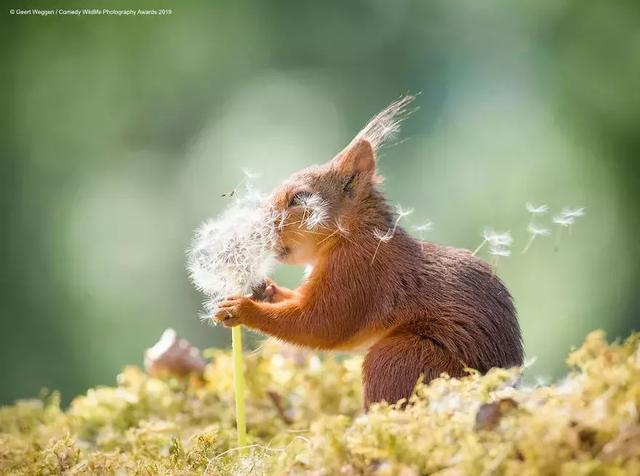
356,157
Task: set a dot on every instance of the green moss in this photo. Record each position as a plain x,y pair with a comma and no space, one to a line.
304,416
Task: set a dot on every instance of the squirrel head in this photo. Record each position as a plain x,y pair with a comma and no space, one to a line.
321,204
318,204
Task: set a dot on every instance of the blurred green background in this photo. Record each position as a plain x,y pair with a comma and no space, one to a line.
120,133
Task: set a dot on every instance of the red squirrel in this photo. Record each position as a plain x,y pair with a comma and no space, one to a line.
418,308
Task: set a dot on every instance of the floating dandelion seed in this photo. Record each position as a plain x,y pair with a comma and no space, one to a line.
567,216
573,212
534,232
565,219
340,229
426,226
537,209
499,244
500,251
422,229
315,211
500,239
497,241
383,236
386,236
248,176
402,213
480,246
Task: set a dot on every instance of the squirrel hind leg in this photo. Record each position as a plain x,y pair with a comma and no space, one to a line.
393,366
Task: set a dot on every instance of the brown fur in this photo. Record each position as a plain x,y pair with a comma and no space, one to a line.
419,308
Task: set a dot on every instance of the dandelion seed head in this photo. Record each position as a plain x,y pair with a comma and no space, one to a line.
499,243
537,209
426,226
563,220
567,216
488,234
403,213
500,251
383,236
249,174
316,211
233,253
497,239
573,212
538,231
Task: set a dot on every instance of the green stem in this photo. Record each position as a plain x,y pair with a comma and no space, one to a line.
238,379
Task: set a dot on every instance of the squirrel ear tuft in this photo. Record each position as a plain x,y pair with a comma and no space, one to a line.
357,157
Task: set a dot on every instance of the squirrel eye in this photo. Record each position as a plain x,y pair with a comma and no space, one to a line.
298,198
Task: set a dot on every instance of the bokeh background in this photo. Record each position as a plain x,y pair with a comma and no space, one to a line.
119,135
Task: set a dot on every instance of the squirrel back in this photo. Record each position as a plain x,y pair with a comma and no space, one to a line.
443,293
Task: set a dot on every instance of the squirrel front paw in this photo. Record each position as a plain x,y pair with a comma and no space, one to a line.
272,293
233,311
269,291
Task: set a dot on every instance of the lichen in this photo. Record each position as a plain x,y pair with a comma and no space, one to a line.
304,415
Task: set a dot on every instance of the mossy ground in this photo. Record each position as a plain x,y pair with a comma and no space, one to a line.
304,417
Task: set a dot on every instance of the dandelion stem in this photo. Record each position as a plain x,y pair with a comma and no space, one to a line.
393,232
529,243
238,380
329,236
375,253
475,252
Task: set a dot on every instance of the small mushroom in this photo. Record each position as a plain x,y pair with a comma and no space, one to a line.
489,414
172,356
